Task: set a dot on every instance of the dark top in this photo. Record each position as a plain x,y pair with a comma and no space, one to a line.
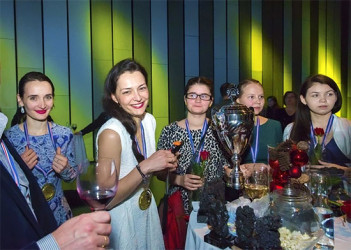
284,118
96,124
19,228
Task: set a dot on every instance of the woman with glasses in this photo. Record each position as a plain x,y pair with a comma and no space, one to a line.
198,98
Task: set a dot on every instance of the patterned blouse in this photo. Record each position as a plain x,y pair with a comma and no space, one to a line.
43,147
216,161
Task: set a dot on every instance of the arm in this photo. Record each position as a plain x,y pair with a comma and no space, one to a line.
109,144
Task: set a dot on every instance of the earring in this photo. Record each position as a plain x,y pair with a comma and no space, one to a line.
22,110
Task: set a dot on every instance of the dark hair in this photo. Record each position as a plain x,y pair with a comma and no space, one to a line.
199,80
29,77
246,82
274,99
224,88
114,109
33,76
288,93
301,128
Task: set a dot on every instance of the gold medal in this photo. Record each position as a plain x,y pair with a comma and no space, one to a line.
145,199
48,191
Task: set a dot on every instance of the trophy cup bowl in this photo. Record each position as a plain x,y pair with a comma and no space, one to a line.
234,123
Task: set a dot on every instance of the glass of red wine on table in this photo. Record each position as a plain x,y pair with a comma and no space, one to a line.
97,183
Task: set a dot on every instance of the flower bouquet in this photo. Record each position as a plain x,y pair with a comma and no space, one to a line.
198,168
286,161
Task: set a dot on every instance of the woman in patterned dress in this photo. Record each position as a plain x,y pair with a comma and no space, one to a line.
198,98
46,147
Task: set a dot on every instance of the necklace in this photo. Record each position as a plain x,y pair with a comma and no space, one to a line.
203,132
145,196
48,188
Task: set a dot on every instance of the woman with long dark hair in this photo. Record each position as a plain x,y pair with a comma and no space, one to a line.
320,99
128,137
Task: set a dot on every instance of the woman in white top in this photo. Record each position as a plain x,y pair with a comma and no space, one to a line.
320,99
129,138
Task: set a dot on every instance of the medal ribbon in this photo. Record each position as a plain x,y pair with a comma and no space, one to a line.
142,141
28,144
9,159
203,132
255,151
327,130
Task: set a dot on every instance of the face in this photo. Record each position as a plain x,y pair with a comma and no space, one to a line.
290,100
132,93
252,96
37,100
198,106
320,98
271,102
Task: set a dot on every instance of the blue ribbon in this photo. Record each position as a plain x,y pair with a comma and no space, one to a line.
255,151
203,132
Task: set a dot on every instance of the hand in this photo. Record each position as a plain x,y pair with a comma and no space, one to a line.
161,159
191,182
60,161
29,157
86,231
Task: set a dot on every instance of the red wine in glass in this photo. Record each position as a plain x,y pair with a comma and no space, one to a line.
97,183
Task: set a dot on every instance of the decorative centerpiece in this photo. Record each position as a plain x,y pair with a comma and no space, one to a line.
287,161
234,123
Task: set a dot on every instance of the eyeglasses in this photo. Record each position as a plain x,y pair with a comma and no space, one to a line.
203,97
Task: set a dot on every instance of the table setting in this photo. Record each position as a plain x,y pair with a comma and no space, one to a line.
286,204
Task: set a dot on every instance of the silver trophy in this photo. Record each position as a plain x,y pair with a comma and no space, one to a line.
234,123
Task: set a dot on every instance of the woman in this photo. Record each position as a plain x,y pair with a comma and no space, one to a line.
198,98
320,99
272,108
46,148
129,138
266,131
287,115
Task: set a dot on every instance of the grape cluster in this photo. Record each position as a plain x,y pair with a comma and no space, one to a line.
245,223
260,233
266,232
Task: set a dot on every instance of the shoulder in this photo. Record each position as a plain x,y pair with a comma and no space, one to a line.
149,119
342,121
273,124
60,129
113,124
287,131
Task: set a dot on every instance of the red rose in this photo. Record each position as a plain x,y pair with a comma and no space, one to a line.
318,131
204,155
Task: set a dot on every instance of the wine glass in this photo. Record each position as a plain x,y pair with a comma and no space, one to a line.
97,182
256,183
74,126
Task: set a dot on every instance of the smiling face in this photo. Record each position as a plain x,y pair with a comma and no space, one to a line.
37,100
198,106
320,98
132,93
252,96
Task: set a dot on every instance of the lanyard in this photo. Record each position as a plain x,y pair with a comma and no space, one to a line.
142,141
255,151
203,132
9,159
327,130
28,144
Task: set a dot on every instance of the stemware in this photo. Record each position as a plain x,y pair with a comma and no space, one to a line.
256,184
97,183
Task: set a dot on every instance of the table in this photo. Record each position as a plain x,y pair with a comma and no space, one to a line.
196,232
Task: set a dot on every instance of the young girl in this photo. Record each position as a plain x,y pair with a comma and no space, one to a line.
129,138
320,99
46,148
266,131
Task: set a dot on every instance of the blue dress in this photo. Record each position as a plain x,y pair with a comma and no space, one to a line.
43,147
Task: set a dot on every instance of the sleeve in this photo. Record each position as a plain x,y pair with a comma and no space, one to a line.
287,132
97,123
48,243
163,140
70,173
